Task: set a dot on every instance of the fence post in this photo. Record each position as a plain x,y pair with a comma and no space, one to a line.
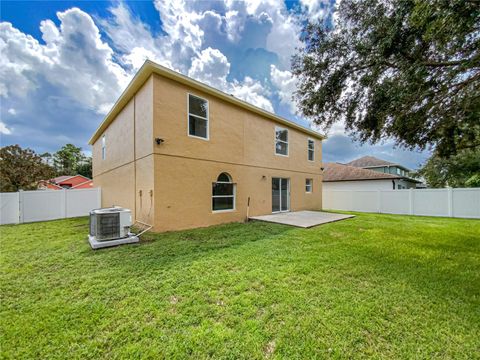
410,201
64,203
99,197
20,206
450,201
379,201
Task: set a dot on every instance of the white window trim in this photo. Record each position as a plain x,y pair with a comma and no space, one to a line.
226,196
200,117
308,149
104,147
311,186
286,142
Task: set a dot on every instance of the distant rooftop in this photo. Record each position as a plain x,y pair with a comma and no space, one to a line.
366,161
59,179
372,161
341,172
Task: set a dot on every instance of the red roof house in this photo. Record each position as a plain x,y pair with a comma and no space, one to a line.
66,182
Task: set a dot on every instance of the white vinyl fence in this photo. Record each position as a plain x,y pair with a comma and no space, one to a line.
463,203
40,205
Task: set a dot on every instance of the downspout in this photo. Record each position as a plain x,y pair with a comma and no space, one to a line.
134,158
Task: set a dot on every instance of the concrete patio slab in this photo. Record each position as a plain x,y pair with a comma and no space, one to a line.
303,219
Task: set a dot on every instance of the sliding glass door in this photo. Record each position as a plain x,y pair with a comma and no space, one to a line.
280,195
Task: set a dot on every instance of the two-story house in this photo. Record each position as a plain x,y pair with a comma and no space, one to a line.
181,154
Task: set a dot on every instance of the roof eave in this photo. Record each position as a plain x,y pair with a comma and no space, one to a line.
364,179
386,165
149,68
383,178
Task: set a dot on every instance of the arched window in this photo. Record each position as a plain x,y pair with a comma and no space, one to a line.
223,193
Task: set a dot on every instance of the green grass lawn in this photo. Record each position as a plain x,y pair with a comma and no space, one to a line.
374,286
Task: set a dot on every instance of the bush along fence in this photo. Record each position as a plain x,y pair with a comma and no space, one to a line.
41,205
462,203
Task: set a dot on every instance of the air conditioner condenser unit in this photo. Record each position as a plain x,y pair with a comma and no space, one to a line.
110,227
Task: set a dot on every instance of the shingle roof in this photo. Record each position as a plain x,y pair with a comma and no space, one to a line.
367,161
340,172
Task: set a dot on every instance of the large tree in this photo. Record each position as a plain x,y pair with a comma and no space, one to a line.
21,169
85,167
460,170
402,69
67,159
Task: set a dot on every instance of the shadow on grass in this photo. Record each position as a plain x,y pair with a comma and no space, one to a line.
178,246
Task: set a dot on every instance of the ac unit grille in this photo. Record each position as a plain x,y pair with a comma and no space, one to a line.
105,226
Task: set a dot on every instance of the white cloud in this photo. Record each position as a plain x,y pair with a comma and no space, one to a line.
317,10
252,92
212,67
50,33
234,25
12,111
74,59
133,40
181,47
4,129
181,42
283,26
285,83
284,39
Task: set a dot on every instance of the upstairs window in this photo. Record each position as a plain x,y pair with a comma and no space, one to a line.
197,117
311,150
223,193
281,141
308,185
104,148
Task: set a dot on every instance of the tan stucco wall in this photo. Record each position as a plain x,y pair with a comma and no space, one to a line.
143,120
236,135
127,138
145,194
119,143
181,170
240,143
184,192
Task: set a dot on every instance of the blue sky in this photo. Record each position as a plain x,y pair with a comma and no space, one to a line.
64,63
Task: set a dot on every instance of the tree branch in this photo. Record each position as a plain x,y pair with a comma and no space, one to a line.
464,147
443,63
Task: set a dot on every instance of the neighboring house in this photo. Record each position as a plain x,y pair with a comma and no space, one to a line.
387,167
181,154
345,177
66,182
383,166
